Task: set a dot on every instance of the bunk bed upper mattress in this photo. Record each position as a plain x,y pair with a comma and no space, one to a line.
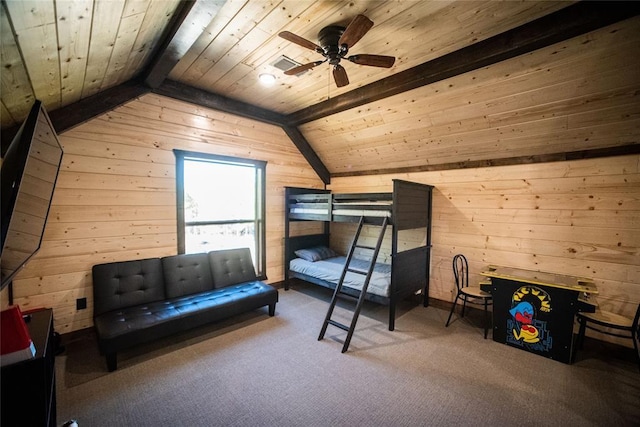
370,208
373,209
330,270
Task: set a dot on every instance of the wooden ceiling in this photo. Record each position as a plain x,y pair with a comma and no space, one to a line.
461,66
242,41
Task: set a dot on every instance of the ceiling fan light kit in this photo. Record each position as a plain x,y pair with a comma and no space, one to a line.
335,42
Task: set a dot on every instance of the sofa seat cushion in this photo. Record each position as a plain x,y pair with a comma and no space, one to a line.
227,301
125,320
129,326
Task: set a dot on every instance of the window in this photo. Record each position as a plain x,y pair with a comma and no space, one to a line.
221,204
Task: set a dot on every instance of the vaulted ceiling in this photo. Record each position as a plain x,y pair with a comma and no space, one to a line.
460,66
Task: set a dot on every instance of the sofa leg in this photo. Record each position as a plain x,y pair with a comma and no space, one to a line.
272,309
112,362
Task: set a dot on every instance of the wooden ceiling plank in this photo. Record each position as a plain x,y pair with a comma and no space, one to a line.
217,24
134,7
215,116
6,119
220,72
389,19
553,88
567,23
103,40
239,25
239,77
27,14
174,121
159,16
578,108
188,24
74,34
412,24
127,32
35,28
545,158
15,87
450,150
233,45
284,91
551,135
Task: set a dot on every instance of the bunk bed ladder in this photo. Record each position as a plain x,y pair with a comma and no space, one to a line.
338,293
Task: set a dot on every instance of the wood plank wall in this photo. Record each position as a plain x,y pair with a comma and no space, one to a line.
579,218
115,197
115,200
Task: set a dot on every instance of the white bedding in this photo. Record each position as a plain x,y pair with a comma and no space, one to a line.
330,270
370,208
362,212
309,211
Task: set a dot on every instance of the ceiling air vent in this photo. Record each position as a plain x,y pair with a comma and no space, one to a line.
284,63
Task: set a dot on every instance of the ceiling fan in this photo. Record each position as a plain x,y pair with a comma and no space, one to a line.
335,42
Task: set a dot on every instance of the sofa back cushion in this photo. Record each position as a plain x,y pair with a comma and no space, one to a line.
128,283
186,274
231,266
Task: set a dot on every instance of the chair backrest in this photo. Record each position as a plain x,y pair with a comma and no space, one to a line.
461,271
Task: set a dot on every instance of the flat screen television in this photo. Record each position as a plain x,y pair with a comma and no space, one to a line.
30,169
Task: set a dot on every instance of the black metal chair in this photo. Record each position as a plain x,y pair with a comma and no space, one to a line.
468,294
612,324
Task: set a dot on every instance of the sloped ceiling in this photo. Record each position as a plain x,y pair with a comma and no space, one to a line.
471,83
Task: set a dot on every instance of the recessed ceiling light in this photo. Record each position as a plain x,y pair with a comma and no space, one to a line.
267,79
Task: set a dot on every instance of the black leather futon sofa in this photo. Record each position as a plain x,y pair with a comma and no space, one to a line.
143,300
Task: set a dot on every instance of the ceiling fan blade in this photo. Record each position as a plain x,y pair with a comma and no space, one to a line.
300,41
299,69
357,28
373,60
340,75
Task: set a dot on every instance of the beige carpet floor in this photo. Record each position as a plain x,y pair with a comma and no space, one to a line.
256,370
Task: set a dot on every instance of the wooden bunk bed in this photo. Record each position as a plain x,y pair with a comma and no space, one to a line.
407,207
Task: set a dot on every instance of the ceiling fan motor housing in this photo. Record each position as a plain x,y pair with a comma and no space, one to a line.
329,37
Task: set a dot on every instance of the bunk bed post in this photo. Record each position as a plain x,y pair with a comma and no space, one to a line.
285,257
290,199
393,298
425,302
411,267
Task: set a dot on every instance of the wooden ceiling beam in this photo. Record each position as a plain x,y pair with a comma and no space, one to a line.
622,150
186,26
86,109
303,145
193,95
176,90
79,112
572,21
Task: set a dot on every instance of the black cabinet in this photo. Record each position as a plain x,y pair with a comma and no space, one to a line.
29,387
534,311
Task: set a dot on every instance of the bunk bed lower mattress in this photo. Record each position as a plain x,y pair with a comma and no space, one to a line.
330,270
